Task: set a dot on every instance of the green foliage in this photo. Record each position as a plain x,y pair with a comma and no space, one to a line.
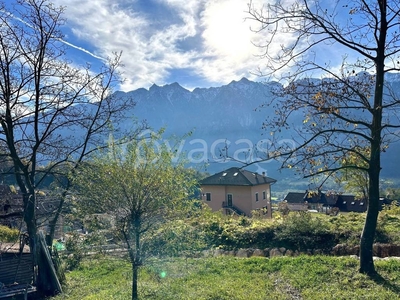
176,238
392,209
75,248
354,174
302,231
233,232
142,184
347,227
388,227
297,231
8,235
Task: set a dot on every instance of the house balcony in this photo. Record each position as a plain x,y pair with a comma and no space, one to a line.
232,208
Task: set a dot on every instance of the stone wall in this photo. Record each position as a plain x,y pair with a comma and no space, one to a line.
379,250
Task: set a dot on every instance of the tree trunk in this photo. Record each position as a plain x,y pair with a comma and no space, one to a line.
368,233
135,268
53,222
135,256
137,261
34,248
40,279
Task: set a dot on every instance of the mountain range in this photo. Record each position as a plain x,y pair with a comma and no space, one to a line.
229,115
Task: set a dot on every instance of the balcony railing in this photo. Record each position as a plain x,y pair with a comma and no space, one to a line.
233,208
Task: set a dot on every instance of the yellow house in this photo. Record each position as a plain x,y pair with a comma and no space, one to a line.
238,191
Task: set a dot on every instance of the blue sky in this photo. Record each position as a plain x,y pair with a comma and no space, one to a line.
197,43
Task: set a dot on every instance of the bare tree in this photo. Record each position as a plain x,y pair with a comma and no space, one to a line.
51,113
347,108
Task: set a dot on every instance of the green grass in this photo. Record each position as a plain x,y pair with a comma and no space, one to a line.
230,278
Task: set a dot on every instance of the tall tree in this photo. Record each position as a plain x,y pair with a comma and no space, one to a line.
345,109
51,113
141,185
355,179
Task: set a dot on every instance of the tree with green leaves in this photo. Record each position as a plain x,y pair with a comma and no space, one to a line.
142,185
354,179
351,106
52,113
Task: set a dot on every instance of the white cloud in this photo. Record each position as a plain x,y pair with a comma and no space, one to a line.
151,49
147,54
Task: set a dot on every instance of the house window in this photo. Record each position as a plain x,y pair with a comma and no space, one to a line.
264,196
256,197
352,203
361,203
229,199
208,196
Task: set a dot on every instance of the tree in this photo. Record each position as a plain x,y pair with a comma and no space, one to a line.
355,179
51,113
346,108
141,186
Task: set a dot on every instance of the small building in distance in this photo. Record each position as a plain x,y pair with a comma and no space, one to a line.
238,191
12,210
325,201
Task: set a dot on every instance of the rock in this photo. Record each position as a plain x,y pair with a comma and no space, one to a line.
275,252
318,252
243,253
392,257
339,250
289,253
218,252
258,252
230,253
266,252
376,250
355,250
390,250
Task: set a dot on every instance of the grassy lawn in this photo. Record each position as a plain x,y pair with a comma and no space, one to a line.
230,278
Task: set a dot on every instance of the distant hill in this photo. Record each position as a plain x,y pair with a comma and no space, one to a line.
227,114
223,117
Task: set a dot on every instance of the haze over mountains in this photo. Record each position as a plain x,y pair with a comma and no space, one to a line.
218,116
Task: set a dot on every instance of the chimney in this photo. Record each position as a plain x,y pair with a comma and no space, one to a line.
263,173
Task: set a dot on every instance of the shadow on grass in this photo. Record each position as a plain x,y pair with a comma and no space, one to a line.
378,279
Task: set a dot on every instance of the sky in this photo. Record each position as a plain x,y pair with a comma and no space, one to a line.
197,43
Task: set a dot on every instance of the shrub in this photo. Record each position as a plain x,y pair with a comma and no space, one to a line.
175,238
255,234
8,235
301,231
347,227
74,246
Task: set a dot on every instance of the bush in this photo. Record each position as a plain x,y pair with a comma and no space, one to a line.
75,248
8,235
175,238
301,231
238,234
347,227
